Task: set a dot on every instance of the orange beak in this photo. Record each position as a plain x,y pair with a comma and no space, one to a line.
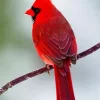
30,12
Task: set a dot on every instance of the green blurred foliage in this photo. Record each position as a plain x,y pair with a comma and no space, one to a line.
21,58
9,34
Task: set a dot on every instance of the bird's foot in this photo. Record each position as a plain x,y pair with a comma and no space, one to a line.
74,59
48,67
70,65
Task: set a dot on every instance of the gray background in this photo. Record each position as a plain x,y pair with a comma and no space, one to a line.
18,55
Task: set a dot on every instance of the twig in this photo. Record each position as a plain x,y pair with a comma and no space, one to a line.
42,70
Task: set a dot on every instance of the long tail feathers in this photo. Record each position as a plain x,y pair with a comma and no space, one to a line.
64,88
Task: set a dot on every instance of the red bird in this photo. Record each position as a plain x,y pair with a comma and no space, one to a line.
55,43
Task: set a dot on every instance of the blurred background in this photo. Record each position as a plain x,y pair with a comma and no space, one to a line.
18,55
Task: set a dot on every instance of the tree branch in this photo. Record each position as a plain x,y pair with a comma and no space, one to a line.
42,70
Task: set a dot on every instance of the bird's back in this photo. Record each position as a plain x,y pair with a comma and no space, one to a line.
54,39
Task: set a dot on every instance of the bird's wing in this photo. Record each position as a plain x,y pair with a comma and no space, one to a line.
55,41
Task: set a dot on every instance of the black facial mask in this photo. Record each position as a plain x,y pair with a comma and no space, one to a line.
36,11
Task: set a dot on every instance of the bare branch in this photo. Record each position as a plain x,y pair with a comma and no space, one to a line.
42,70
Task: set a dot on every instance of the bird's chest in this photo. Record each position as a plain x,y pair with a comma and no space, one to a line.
41,33
39,39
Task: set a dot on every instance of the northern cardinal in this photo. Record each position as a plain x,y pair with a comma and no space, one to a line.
55,43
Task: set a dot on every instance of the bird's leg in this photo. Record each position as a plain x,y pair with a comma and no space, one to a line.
70,65
48,67
74,59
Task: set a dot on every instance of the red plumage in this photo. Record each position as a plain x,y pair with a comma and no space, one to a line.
56,45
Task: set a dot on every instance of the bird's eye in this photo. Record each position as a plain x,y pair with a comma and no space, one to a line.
36,10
